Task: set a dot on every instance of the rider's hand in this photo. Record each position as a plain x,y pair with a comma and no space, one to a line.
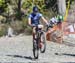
33,25
47,24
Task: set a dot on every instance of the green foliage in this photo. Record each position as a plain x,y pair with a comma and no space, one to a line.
2,2
3,29
28,30
2,19
25,22
71,1
17,26
3,5
28,5
47,7
50,3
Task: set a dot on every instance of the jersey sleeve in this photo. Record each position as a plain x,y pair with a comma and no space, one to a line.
40,14
30,16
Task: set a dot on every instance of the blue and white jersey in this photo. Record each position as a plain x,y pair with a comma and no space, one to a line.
35,18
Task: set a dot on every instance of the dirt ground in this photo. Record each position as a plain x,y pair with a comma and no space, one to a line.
18,49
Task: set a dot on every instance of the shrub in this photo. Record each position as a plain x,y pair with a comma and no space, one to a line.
3,29
17,26
28,30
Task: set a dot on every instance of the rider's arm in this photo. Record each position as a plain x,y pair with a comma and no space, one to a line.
44,20
29,21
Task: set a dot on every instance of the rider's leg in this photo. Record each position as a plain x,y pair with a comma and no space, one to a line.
34,32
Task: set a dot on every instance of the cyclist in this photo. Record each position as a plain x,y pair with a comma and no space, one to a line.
60,19
34,19
53,21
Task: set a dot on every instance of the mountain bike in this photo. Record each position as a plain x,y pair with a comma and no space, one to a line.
39,44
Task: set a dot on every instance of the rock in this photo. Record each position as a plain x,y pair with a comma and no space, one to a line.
71,36
56,36
10,32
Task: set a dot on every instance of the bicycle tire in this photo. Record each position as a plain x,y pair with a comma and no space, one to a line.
43,42
35,50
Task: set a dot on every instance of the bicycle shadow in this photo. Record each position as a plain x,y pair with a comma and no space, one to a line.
19,56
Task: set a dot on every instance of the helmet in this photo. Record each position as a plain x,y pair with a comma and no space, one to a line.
35,9
60,17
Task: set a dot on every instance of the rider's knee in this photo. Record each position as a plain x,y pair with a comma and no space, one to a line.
34,30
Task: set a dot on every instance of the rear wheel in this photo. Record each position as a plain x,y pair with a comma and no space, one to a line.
42,42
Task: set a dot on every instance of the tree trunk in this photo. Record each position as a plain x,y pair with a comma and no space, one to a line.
19,9
61,6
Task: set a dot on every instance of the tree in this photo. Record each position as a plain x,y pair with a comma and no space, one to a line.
61,6
19,9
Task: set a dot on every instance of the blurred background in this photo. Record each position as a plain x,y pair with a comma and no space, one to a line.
14,13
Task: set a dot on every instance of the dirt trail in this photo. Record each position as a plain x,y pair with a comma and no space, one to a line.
19,50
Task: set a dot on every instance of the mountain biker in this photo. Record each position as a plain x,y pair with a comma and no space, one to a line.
34,19
53,21
60,19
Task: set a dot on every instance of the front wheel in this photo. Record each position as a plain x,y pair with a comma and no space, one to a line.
35,49
43,42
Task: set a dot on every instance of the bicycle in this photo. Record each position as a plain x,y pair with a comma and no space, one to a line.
39,43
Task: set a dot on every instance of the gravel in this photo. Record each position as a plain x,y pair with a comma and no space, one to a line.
18,49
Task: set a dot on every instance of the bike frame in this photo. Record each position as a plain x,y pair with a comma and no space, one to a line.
38,33
38,44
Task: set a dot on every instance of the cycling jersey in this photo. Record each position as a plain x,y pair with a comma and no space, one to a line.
53,20
35,18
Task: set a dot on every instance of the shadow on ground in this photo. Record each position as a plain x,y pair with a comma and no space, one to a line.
19,56
61,54
65,54
69,44
67,62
